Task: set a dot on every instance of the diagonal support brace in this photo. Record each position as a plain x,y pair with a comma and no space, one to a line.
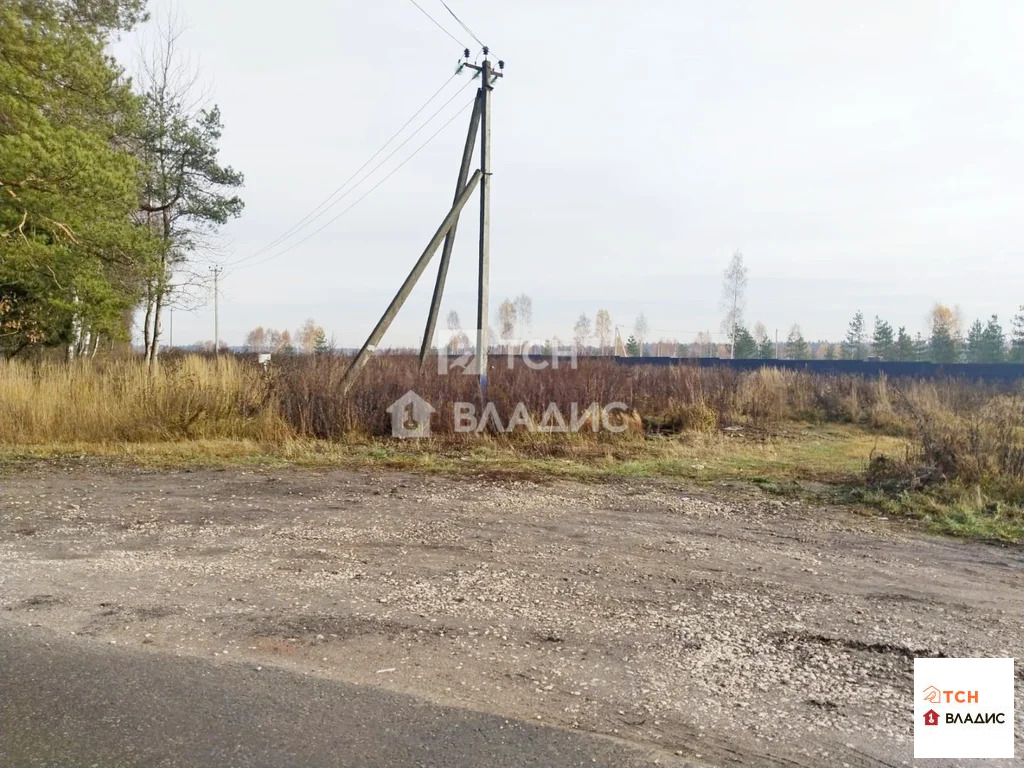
403,293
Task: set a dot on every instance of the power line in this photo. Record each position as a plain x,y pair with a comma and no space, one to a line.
302,222
366,194
354,187
439,26
461,22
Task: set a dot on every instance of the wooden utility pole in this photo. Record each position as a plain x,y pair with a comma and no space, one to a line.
216,310
480,122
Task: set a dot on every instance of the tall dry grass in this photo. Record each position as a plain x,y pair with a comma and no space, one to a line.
123,401
959,430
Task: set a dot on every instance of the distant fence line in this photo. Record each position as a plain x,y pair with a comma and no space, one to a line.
995,372
1002,372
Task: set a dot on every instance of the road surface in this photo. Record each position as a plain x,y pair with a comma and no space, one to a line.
73,702
726,629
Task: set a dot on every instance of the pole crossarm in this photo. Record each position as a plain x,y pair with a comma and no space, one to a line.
449,241
403,293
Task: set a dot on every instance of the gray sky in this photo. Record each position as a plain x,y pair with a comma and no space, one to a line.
862,155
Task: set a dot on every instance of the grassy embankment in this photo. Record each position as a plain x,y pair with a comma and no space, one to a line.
948,454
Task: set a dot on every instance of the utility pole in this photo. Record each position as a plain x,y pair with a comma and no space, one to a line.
483,285
216,310
449,240
467,184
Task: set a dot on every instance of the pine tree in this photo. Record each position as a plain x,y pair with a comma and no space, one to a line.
797,347
745,344
922,353
632,347
882,341
1017,342
853,347
830,352
944,346
975,342
765,346
72,261
993,342
905,349
320,345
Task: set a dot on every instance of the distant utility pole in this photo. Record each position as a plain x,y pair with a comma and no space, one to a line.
216,310
479,122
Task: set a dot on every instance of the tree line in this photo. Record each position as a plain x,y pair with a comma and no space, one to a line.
111,189
947,342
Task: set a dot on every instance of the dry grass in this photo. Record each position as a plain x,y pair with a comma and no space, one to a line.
122,401
945,445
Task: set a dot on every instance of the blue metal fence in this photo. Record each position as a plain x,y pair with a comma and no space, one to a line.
995,372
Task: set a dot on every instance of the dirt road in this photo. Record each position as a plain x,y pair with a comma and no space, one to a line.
719,631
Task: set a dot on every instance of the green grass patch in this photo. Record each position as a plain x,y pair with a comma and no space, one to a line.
819,463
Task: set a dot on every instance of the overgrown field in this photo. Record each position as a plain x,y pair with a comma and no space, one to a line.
949,452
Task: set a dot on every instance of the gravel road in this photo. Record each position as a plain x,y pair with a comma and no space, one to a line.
713,631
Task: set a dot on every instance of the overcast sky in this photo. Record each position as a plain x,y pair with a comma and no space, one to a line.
861,155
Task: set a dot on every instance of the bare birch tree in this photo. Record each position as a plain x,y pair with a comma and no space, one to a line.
640,330
507,321
734,298
582,331
524,315
603,329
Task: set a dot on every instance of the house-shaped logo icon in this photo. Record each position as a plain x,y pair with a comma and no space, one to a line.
931,717
932,695
410,416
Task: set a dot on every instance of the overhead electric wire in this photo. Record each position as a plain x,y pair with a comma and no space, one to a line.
461,23
366,194
370,173
312,215
440,26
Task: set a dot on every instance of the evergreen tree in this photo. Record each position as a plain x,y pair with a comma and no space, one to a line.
993,342
882,342
72,261
1017,341
922,353
975,342
905,348
765,346
830,352
188,194
797,347
853,347
320,344
745,344
632,347
944,346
